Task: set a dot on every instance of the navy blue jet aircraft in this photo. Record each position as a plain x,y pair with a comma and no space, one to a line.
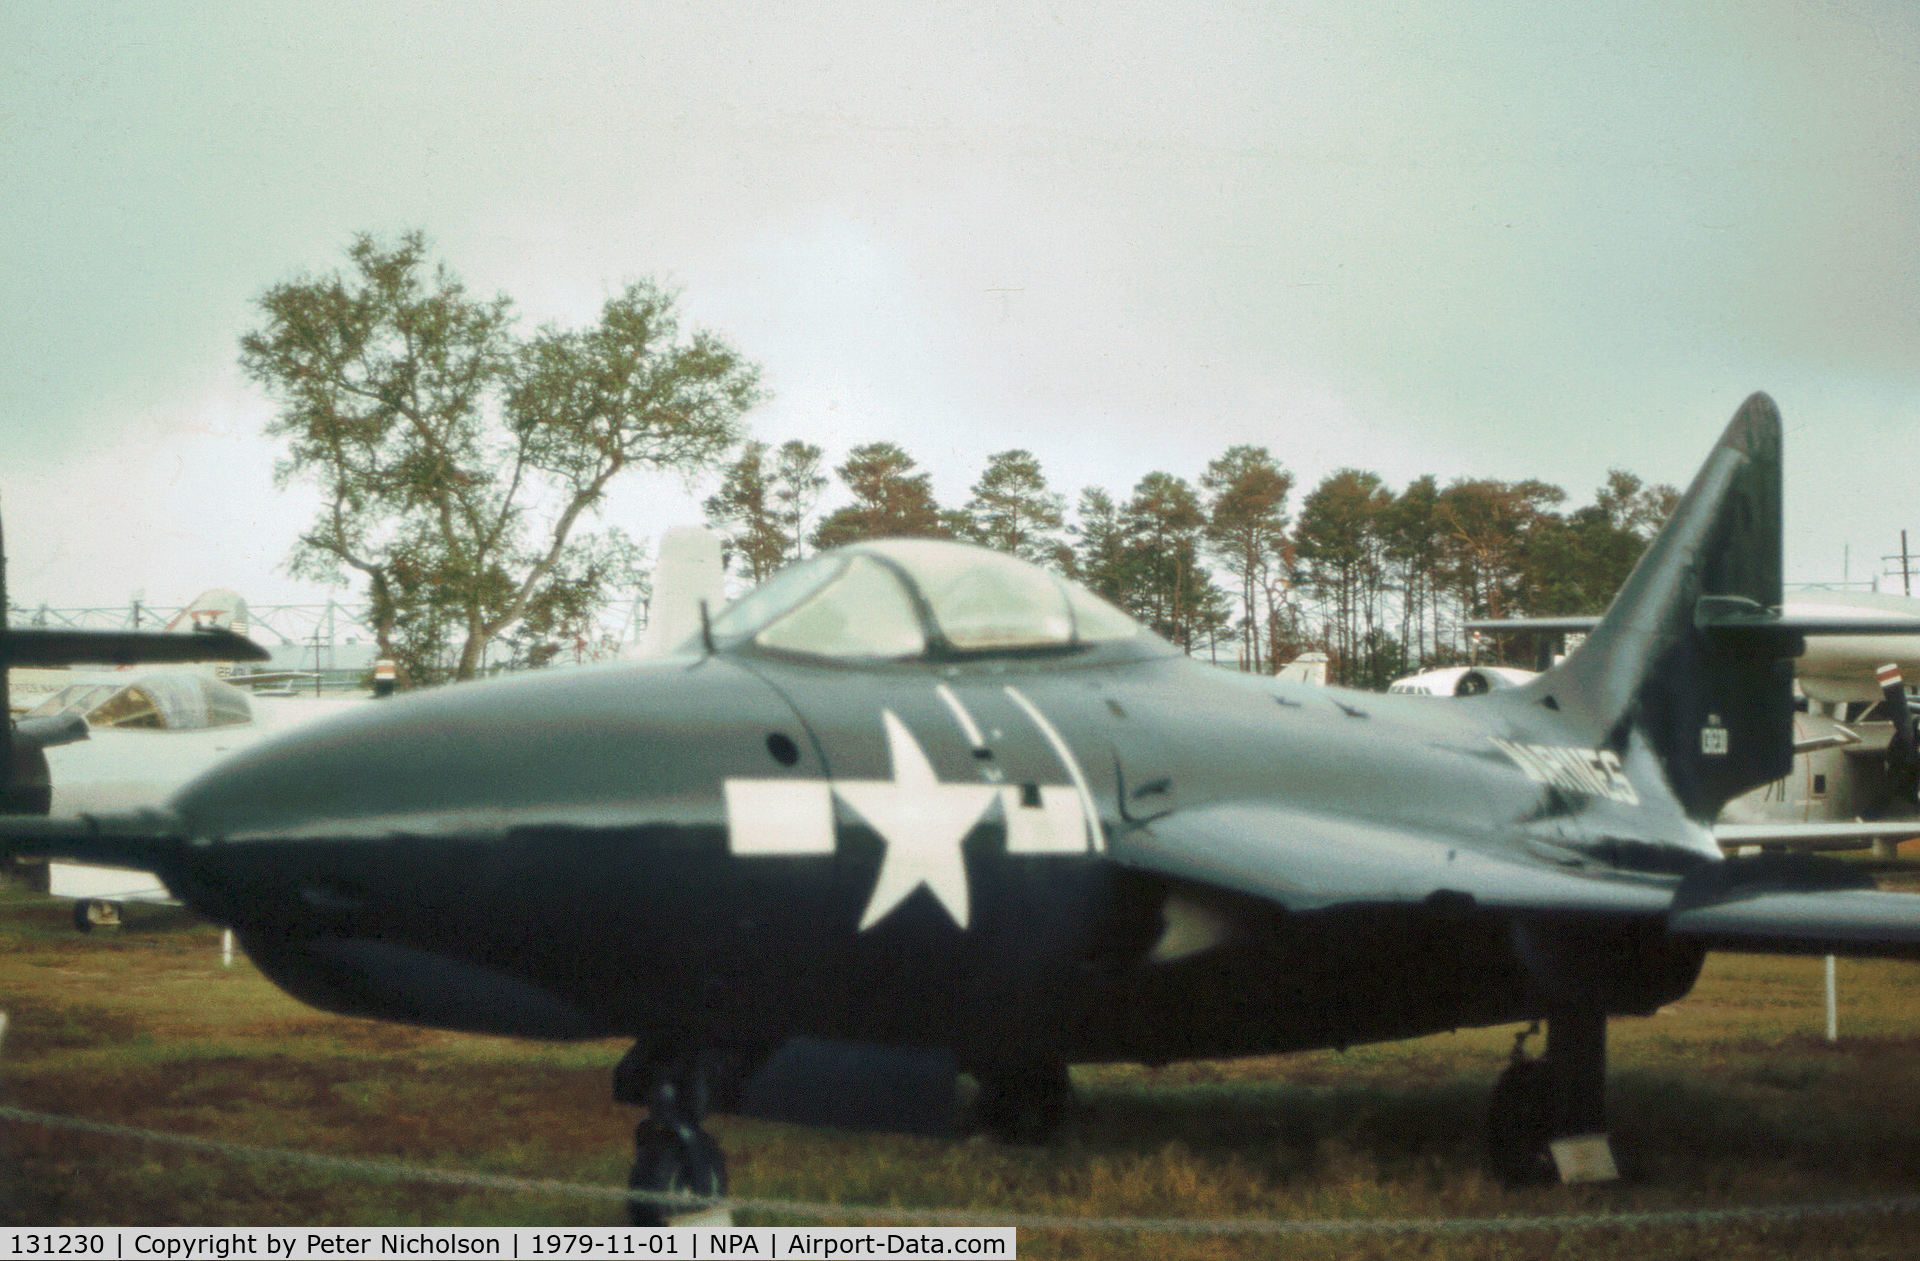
915,794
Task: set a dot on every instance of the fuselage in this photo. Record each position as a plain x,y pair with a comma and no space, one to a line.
736,847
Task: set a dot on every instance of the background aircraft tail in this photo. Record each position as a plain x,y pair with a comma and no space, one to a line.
687,574
1692,651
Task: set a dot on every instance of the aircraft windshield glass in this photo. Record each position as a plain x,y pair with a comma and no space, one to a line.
1095,621
75,698
128,707
775,596
861,611
984,601
227,705
870,600
172,701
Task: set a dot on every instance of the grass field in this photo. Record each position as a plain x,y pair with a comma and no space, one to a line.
1729,1098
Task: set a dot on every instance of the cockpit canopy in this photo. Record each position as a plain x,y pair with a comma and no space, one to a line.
168,701
903,598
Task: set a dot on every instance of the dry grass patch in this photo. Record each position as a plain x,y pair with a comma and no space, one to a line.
1731,1097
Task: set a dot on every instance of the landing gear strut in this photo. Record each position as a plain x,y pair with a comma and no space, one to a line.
92,913
1024,1103
1561,1095
672,1153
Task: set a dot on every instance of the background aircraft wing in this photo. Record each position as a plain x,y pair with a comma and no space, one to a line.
1574,625
139,840
36,646
1814,836
1307,862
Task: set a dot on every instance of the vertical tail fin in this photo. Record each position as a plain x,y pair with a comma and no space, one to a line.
686,577
1686,653
9,773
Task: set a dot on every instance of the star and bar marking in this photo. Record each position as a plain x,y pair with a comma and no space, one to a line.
921,819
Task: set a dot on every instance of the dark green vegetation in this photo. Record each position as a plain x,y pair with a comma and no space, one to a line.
1729,1098
456,460
1380,580
459,462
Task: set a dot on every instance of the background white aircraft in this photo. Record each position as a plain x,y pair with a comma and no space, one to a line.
1857,761
133,734
140,733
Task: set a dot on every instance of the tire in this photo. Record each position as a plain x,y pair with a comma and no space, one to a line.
664,1161
1520,1125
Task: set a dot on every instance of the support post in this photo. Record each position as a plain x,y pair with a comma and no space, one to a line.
1833,1003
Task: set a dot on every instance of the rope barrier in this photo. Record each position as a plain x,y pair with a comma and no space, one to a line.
404,1172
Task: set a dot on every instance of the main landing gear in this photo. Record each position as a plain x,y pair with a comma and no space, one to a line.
672,1153
92,913
1560,1095
1023,1104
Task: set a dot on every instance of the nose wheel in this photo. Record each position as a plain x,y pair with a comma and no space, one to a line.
92,913
672,1152
672,1160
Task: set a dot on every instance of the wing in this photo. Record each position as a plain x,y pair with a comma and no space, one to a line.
142,840
1839,738
1301,862
1794,904
1813,837
34,646
1309,862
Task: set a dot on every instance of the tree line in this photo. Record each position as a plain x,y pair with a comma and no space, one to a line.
1379,580
458,461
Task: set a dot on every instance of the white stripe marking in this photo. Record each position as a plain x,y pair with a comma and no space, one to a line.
776,817
961,716
1053,825
1060,750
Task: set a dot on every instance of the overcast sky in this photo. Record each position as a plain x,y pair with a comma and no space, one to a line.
1471,240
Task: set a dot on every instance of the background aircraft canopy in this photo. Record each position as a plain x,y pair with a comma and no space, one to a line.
175,701
897,598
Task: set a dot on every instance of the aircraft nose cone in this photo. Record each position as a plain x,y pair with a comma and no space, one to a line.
497,857
585,748
432,811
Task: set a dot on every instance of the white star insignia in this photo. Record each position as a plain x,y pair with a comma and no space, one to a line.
922,821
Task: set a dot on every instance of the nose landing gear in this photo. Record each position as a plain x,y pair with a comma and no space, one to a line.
673,1155
92,913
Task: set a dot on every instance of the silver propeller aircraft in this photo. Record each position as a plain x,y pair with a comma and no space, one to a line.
911,794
